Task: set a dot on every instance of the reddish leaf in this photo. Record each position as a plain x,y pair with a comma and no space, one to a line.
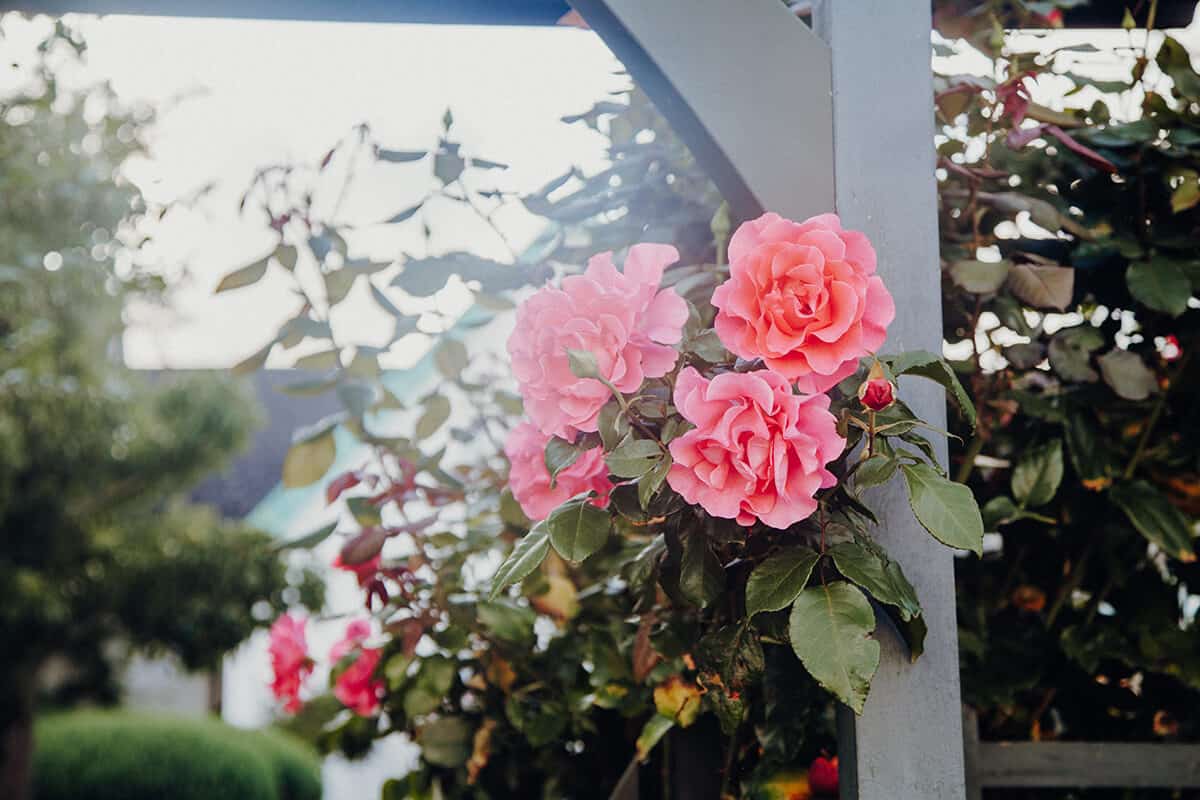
347,480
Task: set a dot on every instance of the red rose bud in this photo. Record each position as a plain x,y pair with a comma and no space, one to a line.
823,776
877,393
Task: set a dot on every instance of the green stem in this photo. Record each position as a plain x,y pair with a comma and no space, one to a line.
730,755
1159,405
968,462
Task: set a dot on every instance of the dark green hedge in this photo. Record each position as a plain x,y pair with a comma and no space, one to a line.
121,756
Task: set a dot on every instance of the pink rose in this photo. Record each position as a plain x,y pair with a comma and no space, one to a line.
290,662
758,451
623,319
356,687
804,297
530,480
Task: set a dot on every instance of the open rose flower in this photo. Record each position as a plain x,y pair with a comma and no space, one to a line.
803,297
530,480
623,319
758,451
290,662
356,687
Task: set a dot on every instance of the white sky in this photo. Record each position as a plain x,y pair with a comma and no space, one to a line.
266,92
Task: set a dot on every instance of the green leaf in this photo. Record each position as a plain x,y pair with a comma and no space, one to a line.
877,575
652,732
875,471
708,347
1159,284
1154,517
830,628
1043,286
980,277
1070,352
446,742
649,484
946,509
1038,474
613,425
935,368
401,216
578,529
308,540
365,512
254,361
309,459
1127,374
528,554
776,582
559,455
634,458
507,622
287,255
398,156
245,276
451,359
701,576
323,360
437,411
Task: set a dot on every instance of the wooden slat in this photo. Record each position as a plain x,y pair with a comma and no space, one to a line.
908,743
1088,764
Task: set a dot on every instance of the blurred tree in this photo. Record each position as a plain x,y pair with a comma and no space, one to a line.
99,555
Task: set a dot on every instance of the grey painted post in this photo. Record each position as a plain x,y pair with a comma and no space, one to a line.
908,743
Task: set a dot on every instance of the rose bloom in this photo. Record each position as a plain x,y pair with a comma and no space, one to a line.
803,297
530,480
289,660
758,451
623,319
356,687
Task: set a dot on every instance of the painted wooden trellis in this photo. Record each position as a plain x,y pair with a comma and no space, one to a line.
797,120
801,121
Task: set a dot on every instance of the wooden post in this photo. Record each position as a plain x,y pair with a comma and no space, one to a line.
908,742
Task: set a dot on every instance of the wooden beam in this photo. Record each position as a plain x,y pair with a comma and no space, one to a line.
1088,765
908,743
745,84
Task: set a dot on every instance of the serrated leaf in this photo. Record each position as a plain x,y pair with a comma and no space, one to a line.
935,368
1159,284
559,455
245,276
652,481
1043,286
830,630
437,411
876,470
980,277
612,425
1038,474
701,576
1154,517
578,529
526,556
1070,352
944,508
881,578
1127,374
634,458
776,582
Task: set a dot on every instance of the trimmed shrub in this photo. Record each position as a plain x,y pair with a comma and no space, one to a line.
121,756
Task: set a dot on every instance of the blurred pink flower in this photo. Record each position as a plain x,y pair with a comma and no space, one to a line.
530,480
290,662
758,451
623,319
356,687
803,297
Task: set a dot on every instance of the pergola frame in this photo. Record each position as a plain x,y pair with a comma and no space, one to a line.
800,121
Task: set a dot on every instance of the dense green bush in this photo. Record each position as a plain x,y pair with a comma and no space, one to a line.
120,756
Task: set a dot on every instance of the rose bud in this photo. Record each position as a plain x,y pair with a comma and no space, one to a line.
877,392
823,776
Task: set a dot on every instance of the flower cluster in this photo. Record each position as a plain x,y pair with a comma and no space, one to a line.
354,665
802,298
